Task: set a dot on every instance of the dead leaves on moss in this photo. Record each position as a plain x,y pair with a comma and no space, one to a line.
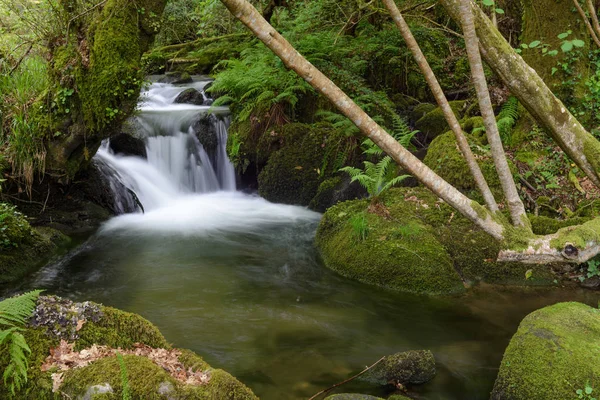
64,357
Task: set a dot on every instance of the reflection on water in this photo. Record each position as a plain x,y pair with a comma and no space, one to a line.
249,294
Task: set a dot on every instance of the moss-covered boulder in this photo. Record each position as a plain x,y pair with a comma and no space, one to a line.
433,123
23,248
84,330
555,352
307,156
414,242
446,159
396,251
409,367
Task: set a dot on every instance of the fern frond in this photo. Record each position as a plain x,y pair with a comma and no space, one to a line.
15,310
394,182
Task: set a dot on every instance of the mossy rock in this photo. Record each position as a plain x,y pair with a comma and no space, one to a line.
555,352
446,159
399,252
409,367
308,156
424,247
334,190
420,111
23,248
116,329
434,123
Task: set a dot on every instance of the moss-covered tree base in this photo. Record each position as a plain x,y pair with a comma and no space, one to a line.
414,242
554,353
116,329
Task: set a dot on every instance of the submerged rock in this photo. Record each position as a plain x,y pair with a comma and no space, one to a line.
128,145
206,132
190,96
554,353
409,367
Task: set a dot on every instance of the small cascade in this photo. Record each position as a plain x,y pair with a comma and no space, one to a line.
186,148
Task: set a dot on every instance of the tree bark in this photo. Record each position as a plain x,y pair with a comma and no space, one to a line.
442,101
246,13
515,205
587,23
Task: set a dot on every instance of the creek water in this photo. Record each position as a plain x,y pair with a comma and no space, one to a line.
238,280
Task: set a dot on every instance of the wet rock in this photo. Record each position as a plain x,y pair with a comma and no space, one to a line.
97,390
128,145
335,190
410,367
206,132
190,96
176,77
553,354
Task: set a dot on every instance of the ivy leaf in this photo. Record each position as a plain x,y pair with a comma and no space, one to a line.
488,3
564,35
553,53
534,44
578,43
499,11
566,47
528,274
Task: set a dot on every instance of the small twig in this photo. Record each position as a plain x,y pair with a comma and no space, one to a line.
21,60
46,202
587,22
592,11
527,184
21,200
82,14
347,380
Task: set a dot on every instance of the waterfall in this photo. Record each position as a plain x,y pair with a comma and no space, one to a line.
186,147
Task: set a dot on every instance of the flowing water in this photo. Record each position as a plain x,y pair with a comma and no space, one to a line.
237,279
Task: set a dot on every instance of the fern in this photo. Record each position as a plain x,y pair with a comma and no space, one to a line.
124,377
401,132
374,177
14,313
507,118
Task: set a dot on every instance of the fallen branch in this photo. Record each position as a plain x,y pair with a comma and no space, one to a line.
324,391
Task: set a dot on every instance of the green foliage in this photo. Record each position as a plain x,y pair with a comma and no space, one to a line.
360,228
124,378
401,132
14,313
507,118
585,393
374,177
179,22
592,269
14,228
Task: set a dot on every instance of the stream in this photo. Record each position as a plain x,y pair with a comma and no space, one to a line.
238,280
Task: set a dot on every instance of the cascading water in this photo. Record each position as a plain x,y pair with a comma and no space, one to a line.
177,161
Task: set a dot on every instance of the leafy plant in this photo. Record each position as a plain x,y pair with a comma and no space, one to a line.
374,177
507,118
124,377
360,229
586,393
14,313
592,269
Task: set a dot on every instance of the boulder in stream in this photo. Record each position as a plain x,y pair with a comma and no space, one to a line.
410,367
190,96
554,353
128,145
176,77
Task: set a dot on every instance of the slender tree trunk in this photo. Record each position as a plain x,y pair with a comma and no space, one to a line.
587,23
533,93
594,15
438,93
515,205
292,59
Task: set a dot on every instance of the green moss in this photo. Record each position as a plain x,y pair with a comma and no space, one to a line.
393,247
120,329
578,236
554,352
401,254
445,158
409,367
23,248
434,123
545,226
308,155
421,110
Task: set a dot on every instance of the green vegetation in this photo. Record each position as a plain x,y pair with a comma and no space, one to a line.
375,177
553,355
14,313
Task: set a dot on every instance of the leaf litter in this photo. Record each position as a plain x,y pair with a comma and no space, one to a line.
64,357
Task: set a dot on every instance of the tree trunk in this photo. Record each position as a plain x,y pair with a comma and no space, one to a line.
533,93
515,205
246,13
438,93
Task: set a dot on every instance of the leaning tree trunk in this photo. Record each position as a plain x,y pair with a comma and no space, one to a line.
515,205
532,92
97,76
292,59
440,97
